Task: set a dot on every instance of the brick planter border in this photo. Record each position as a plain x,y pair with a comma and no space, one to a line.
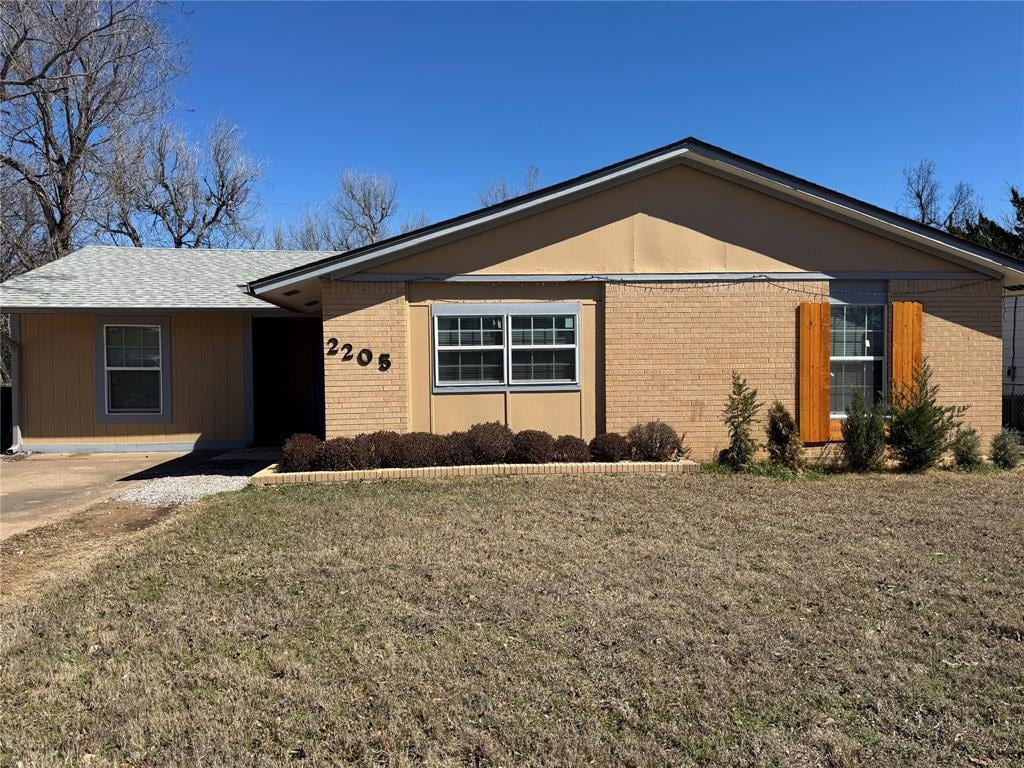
270,475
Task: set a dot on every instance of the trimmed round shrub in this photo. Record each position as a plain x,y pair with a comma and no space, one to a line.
966,447
377,450
490,442
1006,449
301,452
338,454
460,450
572,449
654,441
610,446
532,446
422,449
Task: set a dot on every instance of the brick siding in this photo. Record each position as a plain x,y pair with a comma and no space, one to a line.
962,340
669,353
362,398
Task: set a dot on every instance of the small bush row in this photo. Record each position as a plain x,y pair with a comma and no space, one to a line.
917,430
487,443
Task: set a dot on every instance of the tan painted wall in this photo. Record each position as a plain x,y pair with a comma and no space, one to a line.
962,340
677,220
575,413
58,382
359,398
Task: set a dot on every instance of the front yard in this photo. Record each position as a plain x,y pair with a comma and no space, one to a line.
690,620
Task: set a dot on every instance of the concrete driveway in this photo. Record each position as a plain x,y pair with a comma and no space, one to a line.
43,488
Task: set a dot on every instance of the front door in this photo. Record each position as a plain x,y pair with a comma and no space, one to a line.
287,378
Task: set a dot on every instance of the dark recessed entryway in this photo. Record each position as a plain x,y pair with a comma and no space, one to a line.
287,378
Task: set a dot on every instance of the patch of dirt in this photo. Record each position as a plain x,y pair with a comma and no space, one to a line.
51,553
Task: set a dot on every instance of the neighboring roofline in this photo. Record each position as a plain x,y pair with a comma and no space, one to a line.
707,156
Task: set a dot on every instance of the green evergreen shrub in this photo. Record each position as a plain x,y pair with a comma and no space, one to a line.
301,453
610,446
1006,449
966,447
569,448
863,430
784,446
921,430
490,442
532,446
654,441
739,413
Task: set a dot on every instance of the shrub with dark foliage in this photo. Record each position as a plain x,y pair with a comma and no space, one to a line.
338,454
569,448
422,449
490,442
921,430
301,452
863,444
1006,449
378,450
654,441
784,446
610,446
460,450
532,446
739,413
966,449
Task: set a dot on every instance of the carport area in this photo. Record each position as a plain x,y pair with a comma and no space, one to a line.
45,488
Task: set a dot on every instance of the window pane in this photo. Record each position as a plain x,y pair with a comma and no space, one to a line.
469,331
543,330
479,367
857,331
133,346
849,376
543,365
134,391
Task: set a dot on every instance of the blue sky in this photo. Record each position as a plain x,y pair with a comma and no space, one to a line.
446,97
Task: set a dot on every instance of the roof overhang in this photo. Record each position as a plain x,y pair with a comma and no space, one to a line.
697,154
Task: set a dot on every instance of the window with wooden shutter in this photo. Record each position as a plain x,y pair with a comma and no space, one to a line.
906,341
815,325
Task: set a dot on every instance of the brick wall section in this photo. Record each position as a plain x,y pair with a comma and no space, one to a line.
669,353
362,398
962,340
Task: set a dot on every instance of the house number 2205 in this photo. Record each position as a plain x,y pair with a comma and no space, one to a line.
364,356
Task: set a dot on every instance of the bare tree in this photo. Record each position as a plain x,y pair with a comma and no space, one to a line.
362,212
499,190
74,79
921,193
165,190
963,207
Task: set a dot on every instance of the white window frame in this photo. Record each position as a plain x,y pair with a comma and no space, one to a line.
507,311
438,349
104,414
884,357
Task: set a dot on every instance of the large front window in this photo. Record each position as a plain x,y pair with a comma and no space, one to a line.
857,355
507,349
132,368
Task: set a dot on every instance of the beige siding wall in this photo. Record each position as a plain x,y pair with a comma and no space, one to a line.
359,398
671,348
59,379
677,220
962,340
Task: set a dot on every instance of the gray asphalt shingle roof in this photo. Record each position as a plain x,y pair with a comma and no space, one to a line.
110,277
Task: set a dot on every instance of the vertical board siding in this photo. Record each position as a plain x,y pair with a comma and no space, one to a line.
59,381
907,321
815,327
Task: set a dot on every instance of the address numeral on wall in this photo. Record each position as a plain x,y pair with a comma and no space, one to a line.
363,357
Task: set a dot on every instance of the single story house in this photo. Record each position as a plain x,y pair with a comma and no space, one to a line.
624,295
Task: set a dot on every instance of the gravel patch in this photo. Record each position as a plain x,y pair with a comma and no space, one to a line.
168,491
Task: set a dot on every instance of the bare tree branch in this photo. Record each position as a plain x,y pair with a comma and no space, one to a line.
499,190
921,193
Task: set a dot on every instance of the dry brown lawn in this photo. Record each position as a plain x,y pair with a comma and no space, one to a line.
699,620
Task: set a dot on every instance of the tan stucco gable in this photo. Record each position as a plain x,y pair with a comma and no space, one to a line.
679,220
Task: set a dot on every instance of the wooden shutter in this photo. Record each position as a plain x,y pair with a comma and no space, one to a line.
906,342
815,324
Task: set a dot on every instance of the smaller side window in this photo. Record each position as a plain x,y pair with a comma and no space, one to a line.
133,370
